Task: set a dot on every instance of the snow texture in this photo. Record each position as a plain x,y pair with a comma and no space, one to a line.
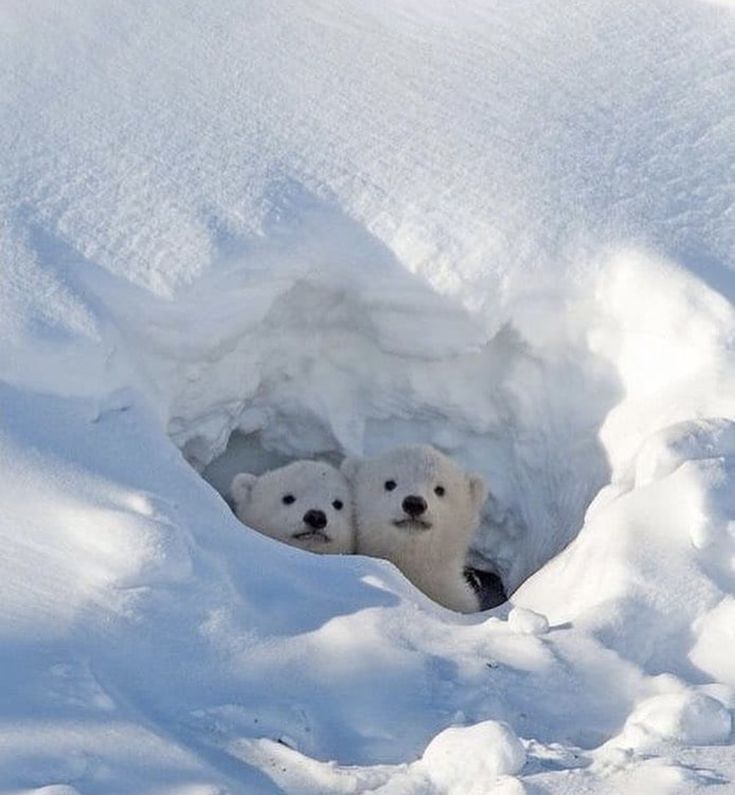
236,235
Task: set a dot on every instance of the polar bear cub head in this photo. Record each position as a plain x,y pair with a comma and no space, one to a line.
306,504
417,508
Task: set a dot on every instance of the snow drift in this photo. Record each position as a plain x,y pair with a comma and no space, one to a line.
316,229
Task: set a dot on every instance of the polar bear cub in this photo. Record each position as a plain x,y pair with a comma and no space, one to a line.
417,508
306,504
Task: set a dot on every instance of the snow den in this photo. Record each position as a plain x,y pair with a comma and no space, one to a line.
316,342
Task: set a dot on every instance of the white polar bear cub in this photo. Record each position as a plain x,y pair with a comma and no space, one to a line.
415,507
306,504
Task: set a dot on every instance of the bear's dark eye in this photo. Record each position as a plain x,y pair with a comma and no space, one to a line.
338,505
390,485
439,491
288,499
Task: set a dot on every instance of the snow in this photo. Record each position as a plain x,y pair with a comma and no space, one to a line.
687,718
527,622
467,759
294,229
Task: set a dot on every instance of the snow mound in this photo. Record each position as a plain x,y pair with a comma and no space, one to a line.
465,760
686,718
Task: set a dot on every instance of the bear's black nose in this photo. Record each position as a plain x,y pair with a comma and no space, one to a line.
315,519
413,505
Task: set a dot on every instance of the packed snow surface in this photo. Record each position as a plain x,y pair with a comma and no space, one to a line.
232,235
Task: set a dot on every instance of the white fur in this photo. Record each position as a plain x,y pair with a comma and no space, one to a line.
314,486
433,557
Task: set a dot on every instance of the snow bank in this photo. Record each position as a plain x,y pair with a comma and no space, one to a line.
317,229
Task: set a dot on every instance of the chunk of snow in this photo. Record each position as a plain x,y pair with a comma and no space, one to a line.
465,760
527,622
687,718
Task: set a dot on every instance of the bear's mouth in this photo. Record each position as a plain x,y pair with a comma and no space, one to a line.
312,535
412,524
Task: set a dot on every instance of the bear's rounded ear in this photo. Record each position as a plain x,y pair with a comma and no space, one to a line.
241,485
349,468
478,490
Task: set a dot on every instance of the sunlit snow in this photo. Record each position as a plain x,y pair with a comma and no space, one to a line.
232,235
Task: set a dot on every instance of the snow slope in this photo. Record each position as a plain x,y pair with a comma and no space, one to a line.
506,229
